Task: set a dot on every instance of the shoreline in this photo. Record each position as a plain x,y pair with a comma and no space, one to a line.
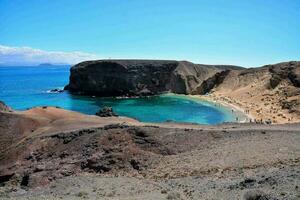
222,107
260,111
239,110
218,101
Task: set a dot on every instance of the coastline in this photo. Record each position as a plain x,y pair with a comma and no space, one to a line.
239,111
260,111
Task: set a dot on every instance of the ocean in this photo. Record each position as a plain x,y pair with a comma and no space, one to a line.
22,88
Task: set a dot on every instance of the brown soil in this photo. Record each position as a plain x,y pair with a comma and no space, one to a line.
50,153
269,93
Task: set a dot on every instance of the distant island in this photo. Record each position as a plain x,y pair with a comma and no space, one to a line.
46,64
20,64
53,64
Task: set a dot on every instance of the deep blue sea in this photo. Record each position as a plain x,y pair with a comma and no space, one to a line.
25,87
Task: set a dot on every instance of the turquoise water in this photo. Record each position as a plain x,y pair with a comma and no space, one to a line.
25,87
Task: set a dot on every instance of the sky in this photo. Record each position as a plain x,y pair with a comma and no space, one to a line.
249,33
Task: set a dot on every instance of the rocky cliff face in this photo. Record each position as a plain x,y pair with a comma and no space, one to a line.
268,77
207,85
273,91
138,77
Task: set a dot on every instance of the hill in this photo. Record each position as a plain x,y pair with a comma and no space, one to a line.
268,92
138,77
51,153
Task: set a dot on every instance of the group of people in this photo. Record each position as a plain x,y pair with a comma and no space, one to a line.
260,121
256,121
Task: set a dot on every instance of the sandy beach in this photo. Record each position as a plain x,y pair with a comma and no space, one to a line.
258,111
239,112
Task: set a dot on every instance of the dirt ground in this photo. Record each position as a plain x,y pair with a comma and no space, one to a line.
121,159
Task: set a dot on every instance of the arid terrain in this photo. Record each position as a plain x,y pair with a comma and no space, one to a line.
270,93
51,153
150,100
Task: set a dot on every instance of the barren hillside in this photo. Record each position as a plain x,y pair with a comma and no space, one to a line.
269,92
50,153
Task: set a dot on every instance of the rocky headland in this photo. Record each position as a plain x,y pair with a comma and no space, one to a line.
270,92
139,77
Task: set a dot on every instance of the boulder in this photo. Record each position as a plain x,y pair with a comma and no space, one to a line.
56,90
106,112
255,195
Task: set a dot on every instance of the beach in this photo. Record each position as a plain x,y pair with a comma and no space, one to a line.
239,112
258,111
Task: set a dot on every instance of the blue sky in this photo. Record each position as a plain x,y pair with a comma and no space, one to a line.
242,32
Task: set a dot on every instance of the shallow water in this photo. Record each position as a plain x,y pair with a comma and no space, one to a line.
26,87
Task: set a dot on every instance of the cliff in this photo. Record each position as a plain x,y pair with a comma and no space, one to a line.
139,77
269,92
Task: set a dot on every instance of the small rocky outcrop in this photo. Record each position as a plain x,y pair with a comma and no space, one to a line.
255,195
4,107
106,112
56,90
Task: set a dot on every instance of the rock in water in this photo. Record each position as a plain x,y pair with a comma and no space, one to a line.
106,112
138,77
56,90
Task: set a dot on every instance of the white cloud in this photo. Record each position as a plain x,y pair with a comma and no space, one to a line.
31,56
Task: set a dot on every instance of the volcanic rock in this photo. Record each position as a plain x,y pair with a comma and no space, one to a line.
139,77
56,90
106,112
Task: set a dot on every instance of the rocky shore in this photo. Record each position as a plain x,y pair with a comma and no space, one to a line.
268,93
51,153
